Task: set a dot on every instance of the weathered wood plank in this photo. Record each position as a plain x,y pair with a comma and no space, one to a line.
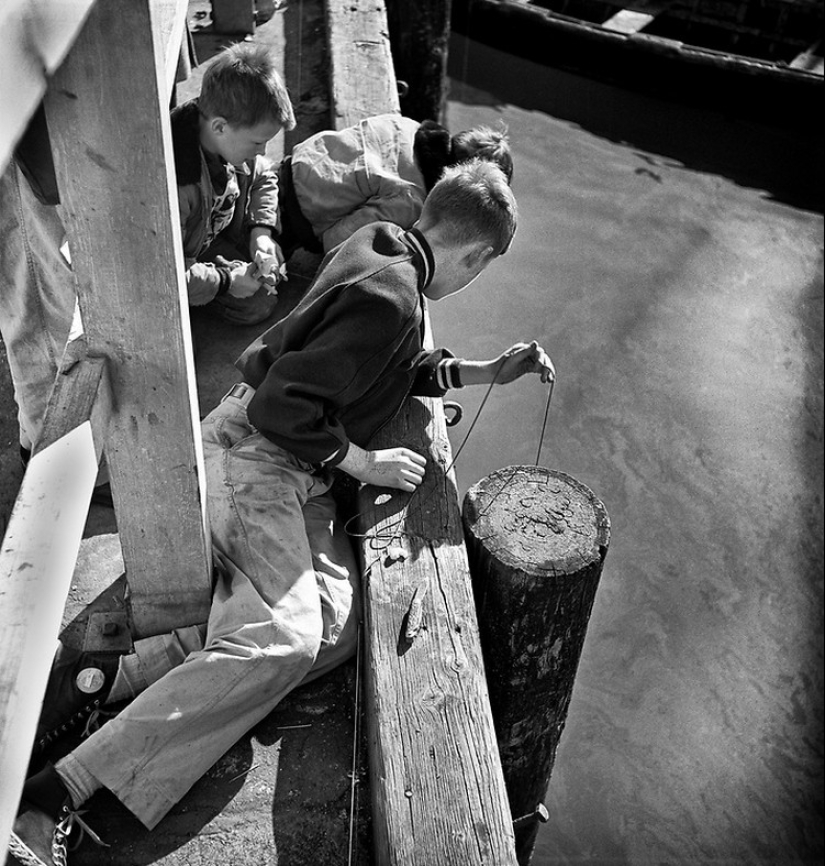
435,773
108,113
362,79
233,16
169,25
79,395
36,563
419,40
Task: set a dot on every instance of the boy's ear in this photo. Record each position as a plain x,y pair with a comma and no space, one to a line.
480,254
218,125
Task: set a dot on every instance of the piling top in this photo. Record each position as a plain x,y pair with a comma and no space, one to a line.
537,520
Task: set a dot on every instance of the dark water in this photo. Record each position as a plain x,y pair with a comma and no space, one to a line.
671,263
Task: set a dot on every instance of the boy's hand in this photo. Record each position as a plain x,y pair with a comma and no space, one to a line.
269,258
389,467
520,359
243,282
270,270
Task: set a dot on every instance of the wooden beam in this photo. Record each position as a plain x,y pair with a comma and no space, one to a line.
362,78
233,16
419,40
35,36
78,395
169,24
37,560
435,774
108,114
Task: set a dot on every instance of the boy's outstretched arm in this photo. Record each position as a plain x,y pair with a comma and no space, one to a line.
518,360
387,467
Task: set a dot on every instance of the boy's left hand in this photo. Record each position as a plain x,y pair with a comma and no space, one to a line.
523,358
269,261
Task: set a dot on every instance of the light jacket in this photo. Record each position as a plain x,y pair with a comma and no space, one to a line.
257,205
348,178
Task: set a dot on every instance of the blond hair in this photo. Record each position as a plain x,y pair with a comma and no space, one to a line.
484,142
473,201
243,86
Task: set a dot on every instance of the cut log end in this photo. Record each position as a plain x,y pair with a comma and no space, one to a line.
538,520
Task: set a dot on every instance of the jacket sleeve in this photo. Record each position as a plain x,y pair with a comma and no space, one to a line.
436,373
400,205
204,280
262,209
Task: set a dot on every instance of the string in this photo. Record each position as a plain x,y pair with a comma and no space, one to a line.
356,735
546,415
389,537
392,537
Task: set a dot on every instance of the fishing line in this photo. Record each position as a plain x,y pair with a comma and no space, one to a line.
356,738
374,536
389,537
546,414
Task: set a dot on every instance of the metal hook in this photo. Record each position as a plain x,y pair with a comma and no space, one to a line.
452,406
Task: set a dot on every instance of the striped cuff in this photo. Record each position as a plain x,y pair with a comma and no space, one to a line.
225,280
447,374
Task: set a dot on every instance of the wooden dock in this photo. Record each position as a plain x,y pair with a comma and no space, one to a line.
409,776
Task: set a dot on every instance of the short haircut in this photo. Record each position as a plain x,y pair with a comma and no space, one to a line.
484,142
243,86
473,201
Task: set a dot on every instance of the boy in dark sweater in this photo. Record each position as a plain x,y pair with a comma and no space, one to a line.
316,388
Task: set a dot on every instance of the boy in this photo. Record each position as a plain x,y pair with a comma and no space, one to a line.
380,169
317,386
227,189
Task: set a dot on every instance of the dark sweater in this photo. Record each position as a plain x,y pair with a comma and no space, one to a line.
339,367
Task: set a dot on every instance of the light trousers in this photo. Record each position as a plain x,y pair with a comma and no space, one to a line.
37,297
285,608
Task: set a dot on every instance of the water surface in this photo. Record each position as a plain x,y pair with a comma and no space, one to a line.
671,263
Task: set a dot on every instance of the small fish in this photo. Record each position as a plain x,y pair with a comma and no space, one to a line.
415,613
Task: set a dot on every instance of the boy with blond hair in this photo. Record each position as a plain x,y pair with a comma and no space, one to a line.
382,168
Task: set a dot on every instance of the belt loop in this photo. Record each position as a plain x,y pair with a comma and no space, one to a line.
242,392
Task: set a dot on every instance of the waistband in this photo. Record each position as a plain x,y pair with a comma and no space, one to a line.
242,392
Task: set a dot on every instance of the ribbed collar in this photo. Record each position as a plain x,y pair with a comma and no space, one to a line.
419,243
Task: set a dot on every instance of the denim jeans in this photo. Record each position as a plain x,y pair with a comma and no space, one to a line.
285,608
37,297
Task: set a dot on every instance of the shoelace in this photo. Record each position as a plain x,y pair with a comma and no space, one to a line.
97,717
69,820
88,711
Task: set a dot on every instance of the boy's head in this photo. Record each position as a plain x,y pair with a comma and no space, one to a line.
483,142
434,149
469,218
243,102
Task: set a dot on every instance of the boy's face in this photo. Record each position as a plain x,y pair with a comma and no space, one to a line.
236,144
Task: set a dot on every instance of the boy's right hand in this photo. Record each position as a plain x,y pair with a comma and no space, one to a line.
242,280
388,467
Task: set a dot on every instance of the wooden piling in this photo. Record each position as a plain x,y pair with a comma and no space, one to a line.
536,541
419,36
